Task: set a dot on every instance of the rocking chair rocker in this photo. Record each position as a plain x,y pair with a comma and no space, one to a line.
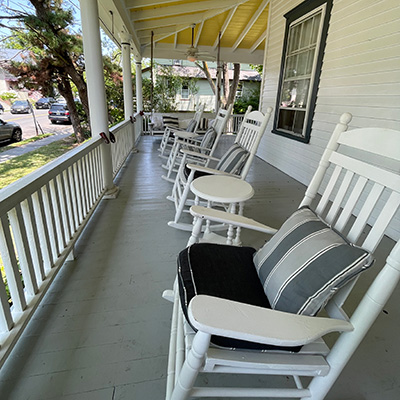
255,312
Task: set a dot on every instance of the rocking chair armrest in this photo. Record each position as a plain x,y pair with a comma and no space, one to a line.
191,153
230,218
210,171
241,321
185,135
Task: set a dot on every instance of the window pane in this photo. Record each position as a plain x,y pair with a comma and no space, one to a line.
302,63
306,33
286,118
294,38
291,69
295,93
298,121
310,61
317,21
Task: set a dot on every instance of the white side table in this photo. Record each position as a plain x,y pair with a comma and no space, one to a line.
220,189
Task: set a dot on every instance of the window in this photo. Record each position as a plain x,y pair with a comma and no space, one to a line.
185,92
305,35
239,90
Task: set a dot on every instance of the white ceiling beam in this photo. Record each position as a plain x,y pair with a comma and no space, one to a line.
160,35
146,3
166,30
225,25
170,21
253,19
198,34
199,6
258,41
187,20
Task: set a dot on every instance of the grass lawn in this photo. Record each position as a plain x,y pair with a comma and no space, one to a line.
22,142
16,168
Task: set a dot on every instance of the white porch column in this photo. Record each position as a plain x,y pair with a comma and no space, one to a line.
96,88
139,96
127,75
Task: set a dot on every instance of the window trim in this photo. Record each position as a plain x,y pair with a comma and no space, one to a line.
301,11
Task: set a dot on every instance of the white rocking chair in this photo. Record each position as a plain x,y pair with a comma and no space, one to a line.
197,145
191,131
361,189
235,162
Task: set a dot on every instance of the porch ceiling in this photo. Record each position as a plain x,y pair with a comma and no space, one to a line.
242,23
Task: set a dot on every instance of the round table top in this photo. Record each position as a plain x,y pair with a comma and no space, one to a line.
222,188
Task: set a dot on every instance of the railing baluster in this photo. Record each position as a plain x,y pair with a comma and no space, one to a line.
24,254
33,238
6,320
58,215
73,199
43,230
11,266
49,217
62,195
77,186
91,184
69,202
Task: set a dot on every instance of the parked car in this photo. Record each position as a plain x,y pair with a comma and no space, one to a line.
45,102
1,109
20,107
59,113
10,131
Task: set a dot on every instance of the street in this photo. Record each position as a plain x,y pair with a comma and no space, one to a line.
27,124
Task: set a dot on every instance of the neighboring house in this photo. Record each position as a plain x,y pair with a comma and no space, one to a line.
357,72
8,81
249,81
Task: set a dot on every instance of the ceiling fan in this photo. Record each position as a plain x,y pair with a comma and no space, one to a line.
193,53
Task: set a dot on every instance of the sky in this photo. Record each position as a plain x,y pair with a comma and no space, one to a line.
25,5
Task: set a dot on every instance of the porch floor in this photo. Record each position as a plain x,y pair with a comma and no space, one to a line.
102,331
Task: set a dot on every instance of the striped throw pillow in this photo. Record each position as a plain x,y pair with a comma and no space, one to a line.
209,138
173,122
191,126
233,160
305,262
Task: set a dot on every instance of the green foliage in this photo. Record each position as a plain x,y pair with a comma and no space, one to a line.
167,85
257,67
8,96
114,90
251,99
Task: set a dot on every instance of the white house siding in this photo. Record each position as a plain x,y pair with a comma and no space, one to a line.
360,74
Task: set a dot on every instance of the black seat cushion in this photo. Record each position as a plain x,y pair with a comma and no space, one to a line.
222,271
197,174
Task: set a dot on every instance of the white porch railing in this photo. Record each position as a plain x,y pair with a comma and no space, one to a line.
125,141
232,126
41,218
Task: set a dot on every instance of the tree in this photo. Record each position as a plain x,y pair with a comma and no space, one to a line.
55,54
229,88
165,88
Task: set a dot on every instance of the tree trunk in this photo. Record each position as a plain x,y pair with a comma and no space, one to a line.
234,84
206,71
225,79
64,87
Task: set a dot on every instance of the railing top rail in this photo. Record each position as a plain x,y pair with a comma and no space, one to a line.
24,187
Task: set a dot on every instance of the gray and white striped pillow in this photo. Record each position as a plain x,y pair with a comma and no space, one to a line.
305,262
233,160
